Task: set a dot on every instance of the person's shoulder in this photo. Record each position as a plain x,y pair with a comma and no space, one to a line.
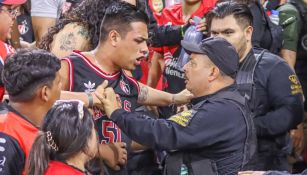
288,7
221,105
59,168
272,63
267,57
73,36
287,12
8,142
75,28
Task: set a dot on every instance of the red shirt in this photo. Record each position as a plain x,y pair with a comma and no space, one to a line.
60,168
15,126
5,50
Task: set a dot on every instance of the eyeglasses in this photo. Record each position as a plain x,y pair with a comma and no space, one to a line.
12,12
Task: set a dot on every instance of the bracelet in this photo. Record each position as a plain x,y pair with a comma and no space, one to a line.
90,100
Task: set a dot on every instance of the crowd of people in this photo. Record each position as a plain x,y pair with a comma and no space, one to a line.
153,87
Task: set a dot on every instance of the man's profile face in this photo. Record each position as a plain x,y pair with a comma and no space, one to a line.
197,71
229,29
133,48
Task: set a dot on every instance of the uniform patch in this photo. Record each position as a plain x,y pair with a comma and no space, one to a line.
183,118
295,85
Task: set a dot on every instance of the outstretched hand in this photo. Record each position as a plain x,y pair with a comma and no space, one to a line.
201,27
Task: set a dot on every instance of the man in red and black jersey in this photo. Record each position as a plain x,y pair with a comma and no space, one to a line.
33,84
122,45
166,57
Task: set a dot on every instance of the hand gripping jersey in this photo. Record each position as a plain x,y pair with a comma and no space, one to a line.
84,76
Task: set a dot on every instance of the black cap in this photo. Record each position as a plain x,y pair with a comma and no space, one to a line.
219,51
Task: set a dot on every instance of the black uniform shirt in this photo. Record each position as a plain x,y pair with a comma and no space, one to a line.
213,123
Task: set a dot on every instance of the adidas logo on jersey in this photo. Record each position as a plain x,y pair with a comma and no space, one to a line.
90,87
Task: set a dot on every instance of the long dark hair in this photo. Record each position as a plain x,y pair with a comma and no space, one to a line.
66,131
89,14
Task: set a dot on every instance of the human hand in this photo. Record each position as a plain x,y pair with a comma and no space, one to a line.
182,97
114,154
109,101
99,90
201,27
297,136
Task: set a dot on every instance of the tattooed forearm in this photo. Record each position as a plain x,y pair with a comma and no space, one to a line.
143,95
68,42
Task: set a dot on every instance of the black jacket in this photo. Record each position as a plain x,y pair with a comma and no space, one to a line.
215,129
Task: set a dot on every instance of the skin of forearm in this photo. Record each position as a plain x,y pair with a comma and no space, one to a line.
289,56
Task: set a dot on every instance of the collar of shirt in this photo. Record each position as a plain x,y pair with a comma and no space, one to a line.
196,100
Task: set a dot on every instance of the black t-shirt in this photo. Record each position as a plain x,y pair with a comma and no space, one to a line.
261,35
25,28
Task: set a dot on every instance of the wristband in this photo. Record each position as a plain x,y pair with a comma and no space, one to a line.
90,100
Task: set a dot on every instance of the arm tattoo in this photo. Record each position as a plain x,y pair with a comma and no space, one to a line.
84,33
143,95
68,42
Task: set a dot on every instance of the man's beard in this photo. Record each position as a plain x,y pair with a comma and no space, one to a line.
242,47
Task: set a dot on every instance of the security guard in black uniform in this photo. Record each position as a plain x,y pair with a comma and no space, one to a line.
211,138
273,91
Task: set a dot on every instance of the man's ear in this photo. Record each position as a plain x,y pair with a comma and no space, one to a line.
214,73
44,93
114,37
248,32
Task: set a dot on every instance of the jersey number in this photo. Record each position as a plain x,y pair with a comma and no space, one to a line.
110,132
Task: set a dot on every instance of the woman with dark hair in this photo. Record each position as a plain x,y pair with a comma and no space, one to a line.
78,29
66,142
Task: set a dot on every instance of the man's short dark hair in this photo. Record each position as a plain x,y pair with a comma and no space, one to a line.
241,13
26,71
119,16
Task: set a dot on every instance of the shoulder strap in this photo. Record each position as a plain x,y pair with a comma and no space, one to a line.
245,76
